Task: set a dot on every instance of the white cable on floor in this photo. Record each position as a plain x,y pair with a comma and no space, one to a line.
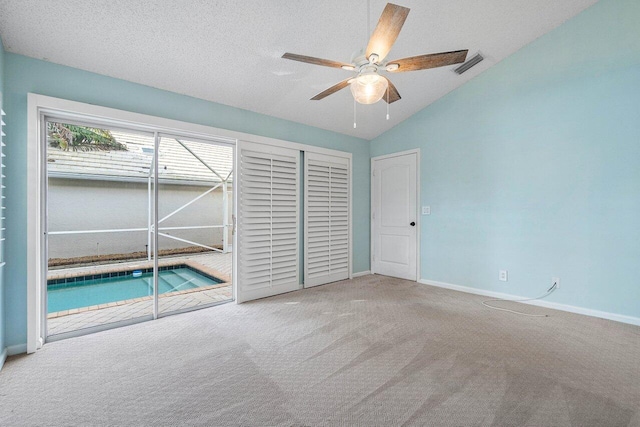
549,291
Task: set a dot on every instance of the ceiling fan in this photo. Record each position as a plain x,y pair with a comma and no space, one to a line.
369,86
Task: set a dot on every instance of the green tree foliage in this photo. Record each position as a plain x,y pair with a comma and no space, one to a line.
80,138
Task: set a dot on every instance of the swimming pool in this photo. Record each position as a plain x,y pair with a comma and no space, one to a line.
85,291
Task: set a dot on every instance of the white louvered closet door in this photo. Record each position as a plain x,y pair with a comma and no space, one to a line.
326,229
268,209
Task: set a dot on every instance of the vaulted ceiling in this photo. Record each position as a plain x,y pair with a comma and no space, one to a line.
230,51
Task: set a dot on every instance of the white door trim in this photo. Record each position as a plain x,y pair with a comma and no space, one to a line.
35,237
415,151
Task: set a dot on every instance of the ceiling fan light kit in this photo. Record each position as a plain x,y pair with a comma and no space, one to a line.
369,86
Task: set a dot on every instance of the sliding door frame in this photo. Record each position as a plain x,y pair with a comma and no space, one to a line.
41,106
42,109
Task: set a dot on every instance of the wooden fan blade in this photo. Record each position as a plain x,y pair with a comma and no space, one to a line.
433,60
332,89
315,61
391,95
387,30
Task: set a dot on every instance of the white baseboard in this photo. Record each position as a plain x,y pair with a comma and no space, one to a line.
12,350
361,273
540,303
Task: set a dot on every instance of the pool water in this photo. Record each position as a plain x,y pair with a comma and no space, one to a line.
94,291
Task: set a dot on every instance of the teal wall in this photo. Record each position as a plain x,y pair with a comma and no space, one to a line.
24,75
534,167
2,310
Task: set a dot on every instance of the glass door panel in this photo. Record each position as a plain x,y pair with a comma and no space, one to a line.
99,214
195,199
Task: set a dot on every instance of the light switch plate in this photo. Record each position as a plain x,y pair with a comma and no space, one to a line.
426,210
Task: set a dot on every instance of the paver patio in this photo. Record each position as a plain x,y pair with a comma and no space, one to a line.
216,264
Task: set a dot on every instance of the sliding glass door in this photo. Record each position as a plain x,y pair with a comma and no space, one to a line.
100,270
195,200
138,225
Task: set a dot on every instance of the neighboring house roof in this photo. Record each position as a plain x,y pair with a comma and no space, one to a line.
176,164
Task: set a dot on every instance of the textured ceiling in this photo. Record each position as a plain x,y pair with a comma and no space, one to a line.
229,51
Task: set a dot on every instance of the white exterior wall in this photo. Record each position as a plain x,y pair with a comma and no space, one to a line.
98,205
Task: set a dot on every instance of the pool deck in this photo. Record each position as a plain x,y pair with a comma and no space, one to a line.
215,264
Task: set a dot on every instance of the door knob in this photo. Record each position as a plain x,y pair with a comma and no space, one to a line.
413,224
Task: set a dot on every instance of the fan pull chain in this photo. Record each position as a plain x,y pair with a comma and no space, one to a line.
354,113
388,103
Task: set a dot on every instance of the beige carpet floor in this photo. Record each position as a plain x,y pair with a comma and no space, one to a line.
373,351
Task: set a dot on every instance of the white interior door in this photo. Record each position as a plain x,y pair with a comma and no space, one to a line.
394,216
268,223
326,229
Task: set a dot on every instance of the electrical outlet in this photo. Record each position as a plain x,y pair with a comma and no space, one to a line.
503,275
555,280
